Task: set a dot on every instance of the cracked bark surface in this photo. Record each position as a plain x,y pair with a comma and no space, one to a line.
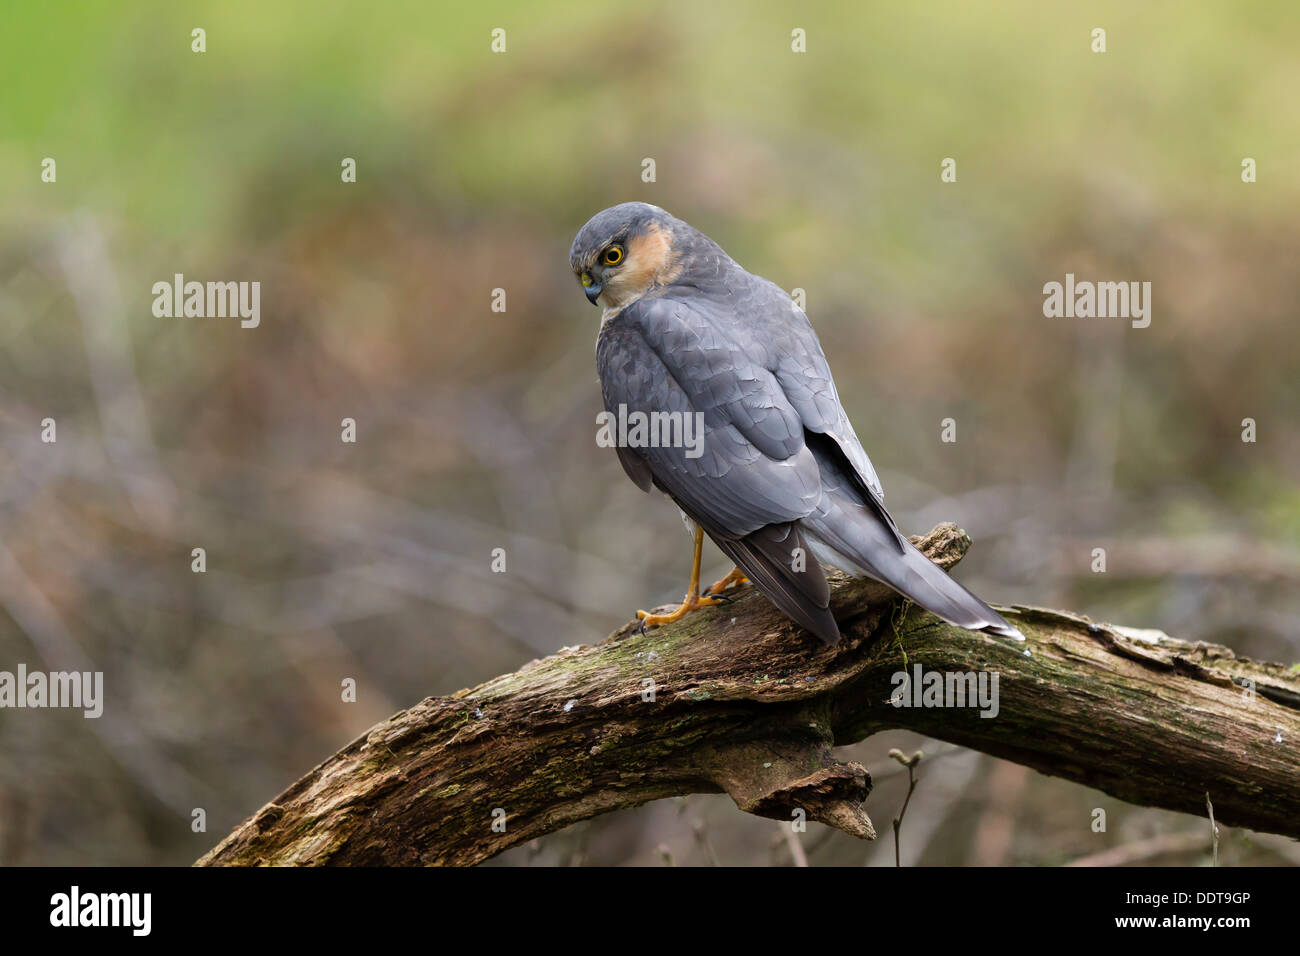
745,702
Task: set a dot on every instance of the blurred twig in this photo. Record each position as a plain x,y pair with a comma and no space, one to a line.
1144,851
910,763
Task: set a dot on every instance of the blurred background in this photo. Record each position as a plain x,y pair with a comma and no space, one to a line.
476,429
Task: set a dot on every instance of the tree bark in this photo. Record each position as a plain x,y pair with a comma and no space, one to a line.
739,700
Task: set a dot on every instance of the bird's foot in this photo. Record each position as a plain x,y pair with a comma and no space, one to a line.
735,580
689,604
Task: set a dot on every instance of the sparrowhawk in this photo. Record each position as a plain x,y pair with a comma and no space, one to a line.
778,473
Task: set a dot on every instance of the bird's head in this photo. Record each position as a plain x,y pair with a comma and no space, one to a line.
623,252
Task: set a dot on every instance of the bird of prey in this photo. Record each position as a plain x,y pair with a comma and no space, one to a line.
778,480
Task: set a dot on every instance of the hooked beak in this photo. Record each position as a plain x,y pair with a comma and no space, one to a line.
591,286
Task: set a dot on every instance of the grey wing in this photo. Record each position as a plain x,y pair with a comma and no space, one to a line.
780,464
636,468
781,331
805,376
749,477
853,521
750,467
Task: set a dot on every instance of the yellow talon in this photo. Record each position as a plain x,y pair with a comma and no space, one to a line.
692,600
735,578
687,605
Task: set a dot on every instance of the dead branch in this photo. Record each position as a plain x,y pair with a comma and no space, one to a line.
739,700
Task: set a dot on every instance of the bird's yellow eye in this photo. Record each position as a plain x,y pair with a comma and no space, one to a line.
613,256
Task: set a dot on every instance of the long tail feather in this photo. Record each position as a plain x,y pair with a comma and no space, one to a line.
869,547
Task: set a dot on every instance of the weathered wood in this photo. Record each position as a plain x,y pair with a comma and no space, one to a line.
742,701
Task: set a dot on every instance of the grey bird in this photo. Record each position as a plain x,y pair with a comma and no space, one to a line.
778,474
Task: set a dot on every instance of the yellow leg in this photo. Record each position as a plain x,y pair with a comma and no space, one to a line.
692,599
735,578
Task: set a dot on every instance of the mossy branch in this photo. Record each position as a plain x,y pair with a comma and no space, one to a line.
739,700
